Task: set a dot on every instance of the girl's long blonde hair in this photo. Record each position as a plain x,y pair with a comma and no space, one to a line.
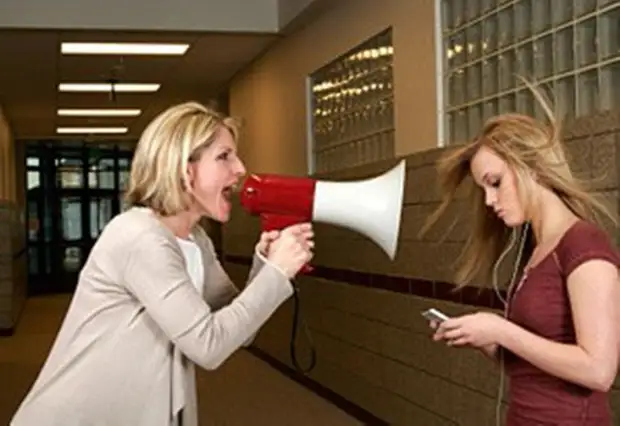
530,148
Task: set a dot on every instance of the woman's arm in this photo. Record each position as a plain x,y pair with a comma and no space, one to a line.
156,276
218,289
594,292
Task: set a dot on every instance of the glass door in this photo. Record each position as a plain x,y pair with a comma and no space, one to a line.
101,212
71,214
70,252
39,223
103,191
73,193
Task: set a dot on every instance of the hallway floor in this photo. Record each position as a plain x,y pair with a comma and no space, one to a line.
244,391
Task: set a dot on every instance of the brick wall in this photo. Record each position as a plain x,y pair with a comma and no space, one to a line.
13,273
373,347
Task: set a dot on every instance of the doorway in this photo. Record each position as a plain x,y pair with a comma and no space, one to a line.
72,193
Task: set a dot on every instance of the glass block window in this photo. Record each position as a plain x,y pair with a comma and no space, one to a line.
570,47
351,107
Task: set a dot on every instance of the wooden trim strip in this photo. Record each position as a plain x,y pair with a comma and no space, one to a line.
6,332
439,290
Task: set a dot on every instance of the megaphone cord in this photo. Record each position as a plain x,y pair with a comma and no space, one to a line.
296,320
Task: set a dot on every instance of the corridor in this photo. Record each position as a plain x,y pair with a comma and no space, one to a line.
245,391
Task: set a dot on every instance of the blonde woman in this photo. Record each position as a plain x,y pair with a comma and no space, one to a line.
560,336
152,299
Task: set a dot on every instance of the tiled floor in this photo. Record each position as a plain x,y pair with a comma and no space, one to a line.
244,391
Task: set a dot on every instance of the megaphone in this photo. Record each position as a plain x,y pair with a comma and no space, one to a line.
371,207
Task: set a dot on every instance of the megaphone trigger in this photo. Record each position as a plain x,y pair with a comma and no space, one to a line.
277,222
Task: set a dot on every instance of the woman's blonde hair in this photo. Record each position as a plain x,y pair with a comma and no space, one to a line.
177,136
530,148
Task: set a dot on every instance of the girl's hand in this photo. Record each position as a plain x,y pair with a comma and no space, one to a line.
479,330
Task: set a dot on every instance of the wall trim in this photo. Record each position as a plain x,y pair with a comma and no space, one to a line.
7,332
482,297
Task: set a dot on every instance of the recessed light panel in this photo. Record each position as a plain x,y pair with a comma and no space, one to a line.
123,48
107,87
67,112
91,130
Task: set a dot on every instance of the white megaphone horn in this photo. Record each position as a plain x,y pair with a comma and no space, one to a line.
371,207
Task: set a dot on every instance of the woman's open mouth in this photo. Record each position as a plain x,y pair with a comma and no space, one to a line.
229,191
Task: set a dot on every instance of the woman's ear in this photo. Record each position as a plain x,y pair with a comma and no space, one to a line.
190,176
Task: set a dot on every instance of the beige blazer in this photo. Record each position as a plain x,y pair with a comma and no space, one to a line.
136,325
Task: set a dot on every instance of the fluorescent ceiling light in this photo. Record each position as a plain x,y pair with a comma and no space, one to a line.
92,130
107,87
123,48
99,112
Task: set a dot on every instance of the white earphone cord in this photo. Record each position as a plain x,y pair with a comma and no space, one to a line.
515,269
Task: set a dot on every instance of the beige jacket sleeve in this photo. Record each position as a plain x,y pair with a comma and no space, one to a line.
156,276
218,289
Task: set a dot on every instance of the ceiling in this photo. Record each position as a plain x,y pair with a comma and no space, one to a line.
33,66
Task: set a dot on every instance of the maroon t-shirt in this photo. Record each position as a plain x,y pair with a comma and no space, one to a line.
542,306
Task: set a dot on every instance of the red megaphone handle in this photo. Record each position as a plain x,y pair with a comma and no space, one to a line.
270,222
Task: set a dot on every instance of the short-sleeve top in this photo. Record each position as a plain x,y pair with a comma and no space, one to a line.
542,306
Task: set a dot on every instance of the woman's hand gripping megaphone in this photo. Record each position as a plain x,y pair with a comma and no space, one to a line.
289,249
